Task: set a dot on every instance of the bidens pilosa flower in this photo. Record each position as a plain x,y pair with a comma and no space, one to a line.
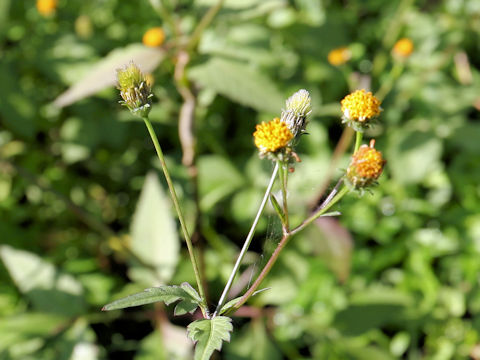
339,56
272,137
46,7
298,107
359,109
365,167
135,90
154,37
403,48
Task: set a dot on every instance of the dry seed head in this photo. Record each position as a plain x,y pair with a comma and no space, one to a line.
365,167
272,137
339,56
298,107
134,89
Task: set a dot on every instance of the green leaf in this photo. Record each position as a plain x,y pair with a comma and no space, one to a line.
49,289
155,239
103,74
168,294
208,334
232,302
240,83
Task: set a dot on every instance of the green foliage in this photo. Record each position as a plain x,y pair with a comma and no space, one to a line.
189,298
208,334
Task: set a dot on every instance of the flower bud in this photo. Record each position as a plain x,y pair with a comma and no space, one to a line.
153,37
272,137
403,48
134,89
339,56
359,109
46,7
298,107
365,167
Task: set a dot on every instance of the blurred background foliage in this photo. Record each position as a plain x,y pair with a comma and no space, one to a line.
85,217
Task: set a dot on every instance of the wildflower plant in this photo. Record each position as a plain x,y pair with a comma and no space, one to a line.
275,141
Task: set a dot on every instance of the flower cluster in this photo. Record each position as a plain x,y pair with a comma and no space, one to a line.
46,7
365,167
153,37
135,90
339,56
274,138
359,109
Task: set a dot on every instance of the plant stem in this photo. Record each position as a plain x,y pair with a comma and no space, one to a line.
247,242
204,23
328,203
283,180
178,210
358,141
387,85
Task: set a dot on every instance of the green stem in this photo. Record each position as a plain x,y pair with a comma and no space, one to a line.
387,85
204,23
178,210
331,200
283,180
358,141
247,242
328,203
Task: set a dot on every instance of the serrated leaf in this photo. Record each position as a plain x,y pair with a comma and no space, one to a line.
240,83
167,294
103,74
155,239
208,334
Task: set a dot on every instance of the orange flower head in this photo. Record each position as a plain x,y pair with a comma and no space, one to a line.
339,56
272,136
46,7
154,37
366,166
359,108
403,48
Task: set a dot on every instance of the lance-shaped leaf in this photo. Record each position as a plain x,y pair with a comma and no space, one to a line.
189,298
208,334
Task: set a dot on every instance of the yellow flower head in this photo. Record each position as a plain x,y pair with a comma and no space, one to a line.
272,136
403,48
153,37
46,7
366,166
359,108
339,56
135,89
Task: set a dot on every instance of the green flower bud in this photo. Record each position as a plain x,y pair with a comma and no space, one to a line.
135,90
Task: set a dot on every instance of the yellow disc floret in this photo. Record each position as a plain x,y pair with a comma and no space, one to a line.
339,56
366,166
153,37
46,7
403,48
272,136
359,107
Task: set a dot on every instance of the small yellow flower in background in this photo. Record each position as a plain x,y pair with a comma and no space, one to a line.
403,48
154,37
339,56
298,107
135,89
359,108
46,7
366,166
272,136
